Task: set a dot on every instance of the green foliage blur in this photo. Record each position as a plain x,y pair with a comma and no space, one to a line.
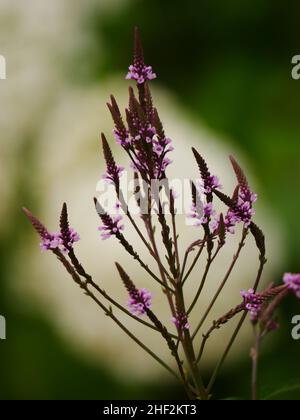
229,63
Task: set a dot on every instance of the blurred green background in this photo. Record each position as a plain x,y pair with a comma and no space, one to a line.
229,64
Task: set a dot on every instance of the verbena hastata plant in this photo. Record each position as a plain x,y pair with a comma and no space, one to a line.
143,139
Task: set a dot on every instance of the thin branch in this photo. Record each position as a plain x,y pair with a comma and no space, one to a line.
238,328
194,262
81,271
109,313
210,260
232,265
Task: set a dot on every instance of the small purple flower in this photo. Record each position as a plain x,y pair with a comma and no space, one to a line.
210,183
112,227
122,137
140,301
181,322
293,282
253,303
140,73
51,241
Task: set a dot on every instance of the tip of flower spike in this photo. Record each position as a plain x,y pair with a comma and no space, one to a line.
240,175
139,71
138,48
100,210
38,226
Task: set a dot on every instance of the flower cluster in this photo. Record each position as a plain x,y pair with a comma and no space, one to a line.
293,282
243,210
140,301
181,321
140,73
210,183
51,241
55,240
201,214
253,303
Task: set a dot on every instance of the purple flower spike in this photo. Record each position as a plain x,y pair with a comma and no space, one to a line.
242,212
112,227
139,302
293,282
138,71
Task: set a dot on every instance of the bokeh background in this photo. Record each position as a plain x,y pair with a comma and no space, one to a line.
228,66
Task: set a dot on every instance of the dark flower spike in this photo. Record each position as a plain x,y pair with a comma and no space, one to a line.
138,71
113,171
210,182
68,235
148,103
120,131
38,226
156,122
140,301
225,199
129,285
111,226
222,230
235,195
64,226
197,202
51,241
259,239
240,175
138,53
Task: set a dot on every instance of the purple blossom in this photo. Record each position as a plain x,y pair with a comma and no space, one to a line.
51,241
201,214
122,137
211,183
181,322
54,240
242,212
140,73
253,303
293,282
112,227
139,301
